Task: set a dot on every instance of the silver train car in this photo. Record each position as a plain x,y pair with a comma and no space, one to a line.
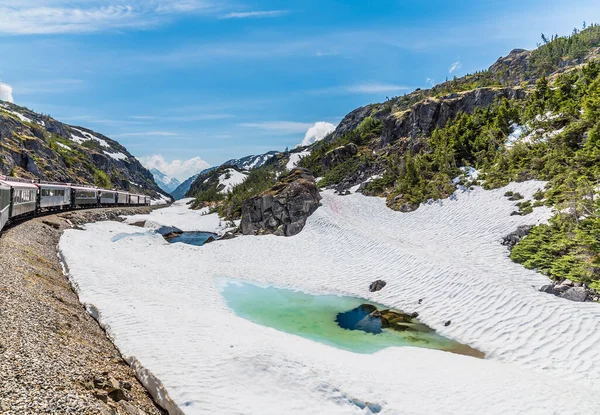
54,196
85,196
122,198
4,205
20,198
23,197
108,198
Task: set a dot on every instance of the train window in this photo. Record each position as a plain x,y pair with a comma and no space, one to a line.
86,194
53,192
23,196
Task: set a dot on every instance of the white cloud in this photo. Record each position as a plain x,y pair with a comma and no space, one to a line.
180,169
254,14
317,132
430,82
6,92
69,16
456,65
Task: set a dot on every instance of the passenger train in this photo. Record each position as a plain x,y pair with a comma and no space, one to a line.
21,198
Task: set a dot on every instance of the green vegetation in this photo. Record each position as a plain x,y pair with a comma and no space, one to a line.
525,208
369,129
258,181
562,249
548,57
101,179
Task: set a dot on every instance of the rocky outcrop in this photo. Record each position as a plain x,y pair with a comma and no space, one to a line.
368,318
424,117
283,209
339,155
513,238
572,291
510,69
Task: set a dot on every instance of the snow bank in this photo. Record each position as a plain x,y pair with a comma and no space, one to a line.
162,304
161,201
180,216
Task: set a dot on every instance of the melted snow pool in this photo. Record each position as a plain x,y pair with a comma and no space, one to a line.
315,317
191,238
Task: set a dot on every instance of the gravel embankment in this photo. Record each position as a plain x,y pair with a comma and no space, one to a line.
54,357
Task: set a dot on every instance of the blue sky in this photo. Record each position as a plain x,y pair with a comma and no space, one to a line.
193,82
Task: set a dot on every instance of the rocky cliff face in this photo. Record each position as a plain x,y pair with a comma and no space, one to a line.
283,209
424,117
37,146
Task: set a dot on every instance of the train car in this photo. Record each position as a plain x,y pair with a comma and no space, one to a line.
108,198
122,198
133,199
84,196
54,196
147,201
4,205
141,199
23,195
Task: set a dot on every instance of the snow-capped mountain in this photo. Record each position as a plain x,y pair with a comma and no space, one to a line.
250,162
243,163
166,183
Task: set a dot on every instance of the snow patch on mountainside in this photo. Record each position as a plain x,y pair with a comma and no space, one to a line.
295,159
230,179
116,156
85,136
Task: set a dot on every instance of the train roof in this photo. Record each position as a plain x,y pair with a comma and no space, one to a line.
53,185
84,188
17,184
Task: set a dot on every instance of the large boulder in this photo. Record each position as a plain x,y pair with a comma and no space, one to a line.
576,294
569,290
283,209
377,285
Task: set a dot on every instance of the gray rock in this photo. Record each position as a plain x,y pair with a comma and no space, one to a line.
377,285
575,294
283,209
339,155
513,238
548,289
130,409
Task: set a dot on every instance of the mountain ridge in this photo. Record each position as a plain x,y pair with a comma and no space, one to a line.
37,146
